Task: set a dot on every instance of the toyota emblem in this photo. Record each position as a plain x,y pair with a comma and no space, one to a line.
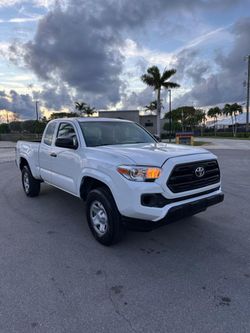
199,172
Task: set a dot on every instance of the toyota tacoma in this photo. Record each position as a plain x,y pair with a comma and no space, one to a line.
121,171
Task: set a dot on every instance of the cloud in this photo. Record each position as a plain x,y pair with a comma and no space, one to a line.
80,44
225,85
137,100
71,47
204,81
21,19
206,36
4,102
37,3
21,104
50,98
54,98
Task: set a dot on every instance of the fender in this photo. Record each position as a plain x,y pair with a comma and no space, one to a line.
98,175
32,159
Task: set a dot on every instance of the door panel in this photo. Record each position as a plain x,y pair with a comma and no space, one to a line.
45,151
45,162
66,165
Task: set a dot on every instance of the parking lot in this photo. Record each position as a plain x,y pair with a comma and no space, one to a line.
189,276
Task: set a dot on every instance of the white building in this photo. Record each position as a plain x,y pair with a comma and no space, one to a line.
228,121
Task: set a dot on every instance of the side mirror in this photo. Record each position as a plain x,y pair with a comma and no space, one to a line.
157,137
66,143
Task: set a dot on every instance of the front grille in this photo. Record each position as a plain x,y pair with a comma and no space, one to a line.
183,177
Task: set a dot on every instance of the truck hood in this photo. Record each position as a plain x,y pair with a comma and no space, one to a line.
150,153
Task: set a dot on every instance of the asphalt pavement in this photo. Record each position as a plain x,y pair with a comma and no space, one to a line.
7,151
220,143
186,277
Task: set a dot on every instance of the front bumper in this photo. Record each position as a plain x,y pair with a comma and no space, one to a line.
128,195
191,208
175,210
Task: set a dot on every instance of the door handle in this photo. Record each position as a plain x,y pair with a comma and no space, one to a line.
53,154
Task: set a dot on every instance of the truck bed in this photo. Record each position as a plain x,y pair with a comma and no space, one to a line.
30,151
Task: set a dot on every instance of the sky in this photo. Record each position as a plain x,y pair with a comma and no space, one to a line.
59,52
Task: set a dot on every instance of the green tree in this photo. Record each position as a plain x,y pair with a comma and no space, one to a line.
233,110
28,126
56,115
39,127
44,119
204,119
4,128
84,108
155,79
176,126
187,117
89,111
15,126
152,106
80,106
196,118
214,113
33,126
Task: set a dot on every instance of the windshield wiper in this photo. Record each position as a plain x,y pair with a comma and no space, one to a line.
120,143
131,142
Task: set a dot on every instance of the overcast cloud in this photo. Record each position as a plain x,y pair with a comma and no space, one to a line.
226,85
21,104
77,52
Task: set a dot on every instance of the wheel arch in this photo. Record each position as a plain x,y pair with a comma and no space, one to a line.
23,162
89,183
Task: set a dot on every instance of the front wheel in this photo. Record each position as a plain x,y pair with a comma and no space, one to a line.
103,217
31,185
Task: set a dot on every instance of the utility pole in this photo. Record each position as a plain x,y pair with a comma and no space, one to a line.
170,116
182,121
248,84
37,117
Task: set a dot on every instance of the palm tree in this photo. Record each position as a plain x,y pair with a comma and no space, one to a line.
152,106
228,111
233,110
203,121
88,110
237,109
154,79
84,108
80,106
214,113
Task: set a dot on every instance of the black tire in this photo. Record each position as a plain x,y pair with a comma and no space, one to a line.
112,224
31,186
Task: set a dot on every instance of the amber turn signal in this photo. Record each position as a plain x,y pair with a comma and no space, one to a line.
153,173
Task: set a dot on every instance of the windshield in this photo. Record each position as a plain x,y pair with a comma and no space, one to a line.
101,133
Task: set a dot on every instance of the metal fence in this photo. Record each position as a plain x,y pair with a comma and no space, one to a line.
20,136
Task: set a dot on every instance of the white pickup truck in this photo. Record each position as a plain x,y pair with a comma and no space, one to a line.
121,171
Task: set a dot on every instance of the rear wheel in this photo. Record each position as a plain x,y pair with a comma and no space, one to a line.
103,217
31,185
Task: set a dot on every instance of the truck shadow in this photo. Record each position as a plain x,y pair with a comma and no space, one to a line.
189,235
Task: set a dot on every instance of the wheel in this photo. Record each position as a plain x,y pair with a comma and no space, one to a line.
31,185
103,217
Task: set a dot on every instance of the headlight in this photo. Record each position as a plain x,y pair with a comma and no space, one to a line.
139,173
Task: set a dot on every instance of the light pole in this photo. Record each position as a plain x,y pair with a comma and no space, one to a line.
182,120
248,84
37,116
170,116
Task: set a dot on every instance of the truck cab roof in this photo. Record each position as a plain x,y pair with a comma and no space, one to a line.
91,119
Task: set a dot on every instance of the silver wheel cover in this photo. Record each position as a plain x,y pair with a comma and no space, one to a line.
98,217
